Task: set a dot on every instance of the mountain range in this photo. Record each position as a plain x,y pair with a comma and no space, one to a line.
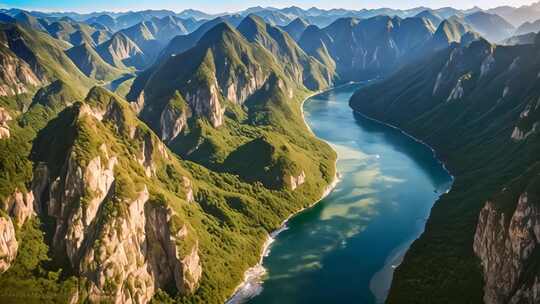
146,156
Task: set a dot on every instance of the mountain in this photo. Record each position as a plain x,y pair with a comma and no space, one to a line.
432,16
299,66
152,36
518,15
196,14
99,206
449,31
182,43
296,28
491,26
528,27
29,21
76,33
104,20
366,48
121,52
43,54
476,105
227,81
520,39
91,64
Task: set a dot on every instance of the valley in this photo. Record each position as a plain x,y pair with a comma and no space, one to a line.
150,156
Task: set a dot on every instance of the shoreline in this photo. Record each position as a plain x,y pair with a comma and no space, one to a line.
254,274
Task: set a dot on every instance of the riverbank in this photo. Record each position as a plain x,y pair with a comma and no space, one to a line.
253,277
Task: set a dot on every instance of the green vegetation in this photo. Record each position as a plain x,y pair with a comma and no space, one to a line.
236,202
472,134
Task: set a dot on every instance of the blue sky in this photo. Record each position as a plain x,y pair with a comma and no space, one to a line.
214,6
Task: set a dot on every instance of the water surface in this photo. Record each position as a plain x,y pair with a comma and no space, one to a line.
345,248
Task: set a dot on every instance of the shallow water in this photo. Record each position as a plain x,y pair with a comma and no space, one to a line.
345,249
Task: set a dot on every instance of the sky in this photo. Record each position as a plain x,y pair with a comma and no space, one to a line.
219,6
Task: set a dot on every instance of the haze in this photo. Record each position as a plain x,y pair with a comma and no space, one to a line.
213,6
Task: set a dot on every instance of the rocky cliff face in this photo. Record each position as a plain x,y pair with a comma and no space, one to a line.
507,246
4,119
17,209
123,242
204,102
8,243
16,76
528,122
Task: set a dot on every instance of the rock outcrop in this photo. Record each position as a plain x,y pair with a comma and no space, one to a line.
294,182
506,245
204,102
172,122
125,244
20,206
16,76
8,243
4,128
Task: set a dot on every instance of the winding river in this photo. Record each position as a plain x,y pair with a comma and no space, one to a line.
344,249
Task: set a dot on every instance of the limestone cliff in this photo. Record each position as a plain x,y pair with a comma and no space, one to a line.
4,119
113,228
16,76
8,243
507,242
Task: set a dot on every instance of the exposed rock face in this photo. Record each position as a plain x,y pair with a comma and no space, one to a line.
204,102
172,122
294,182
75,200
20,206
505,247
4,128
528,122
123,244
238,87
487,65
166,262
518,134
457,91
116,266
189,189
138,105
148,148
16,76
8,243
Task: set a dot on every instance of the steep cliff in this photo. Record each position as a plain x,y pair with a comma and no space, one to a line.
103,213
507,241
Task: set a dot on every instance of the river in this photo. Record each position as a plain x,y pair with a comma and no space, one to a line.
344,249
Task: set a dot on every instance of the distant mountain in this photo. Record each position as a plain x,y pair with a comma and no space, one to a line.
29,20
91,64
182,43
43,54
368,48
491,26
196,14
296,28
528,27
432,16
519,15
450,31
76,33
520,39
151,36
121,52
298,66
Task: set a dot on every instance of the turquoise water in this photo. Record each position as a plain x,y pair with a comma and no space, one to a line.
345,248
